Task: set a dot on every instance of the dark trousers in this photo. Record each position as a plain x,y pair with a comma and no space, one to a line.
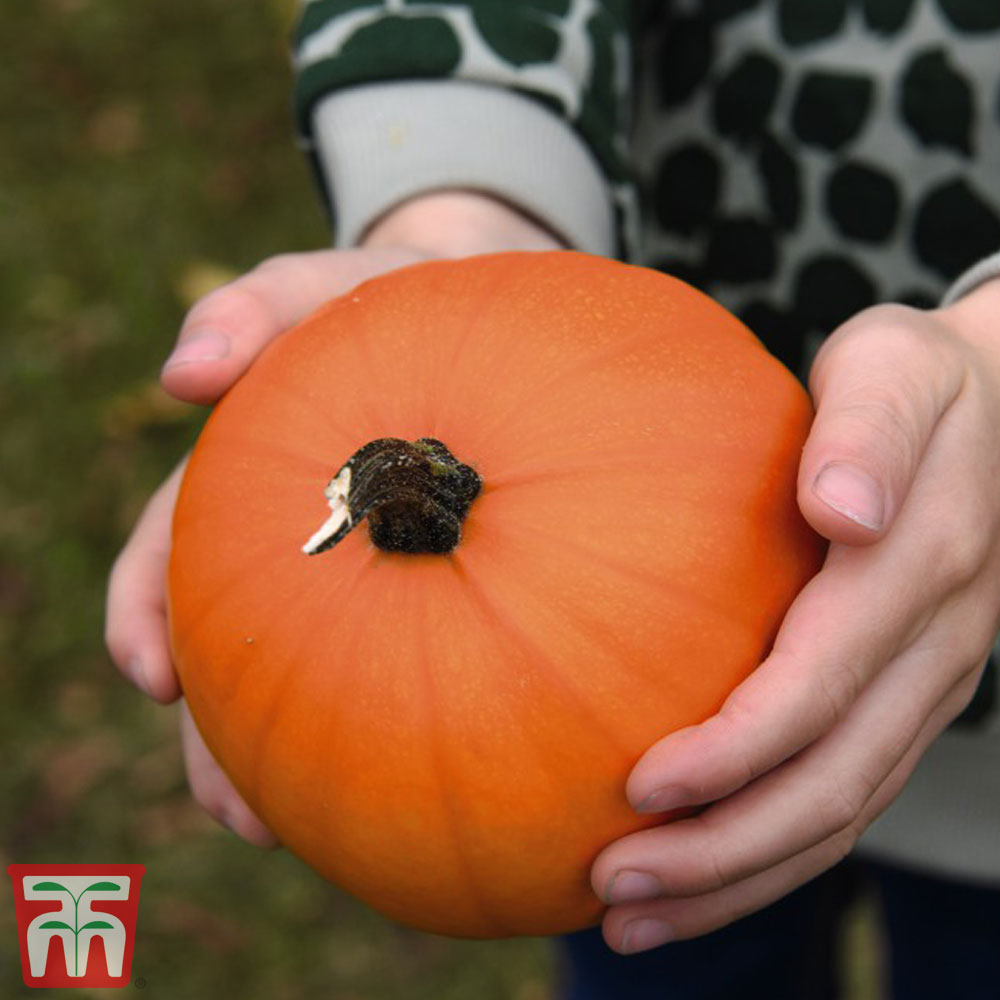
942,941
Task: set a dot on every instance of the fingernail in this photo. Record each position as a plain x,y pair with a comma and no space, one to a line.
204,346
664,799
644,933
632,887
851,492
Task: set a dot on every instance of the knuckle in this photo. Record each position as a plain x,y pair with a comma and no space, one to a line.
841,805
716,865
881,418
974,649
889,404
890,329
839,688
966,685
740,715
279,264
961,556
272,276
273,269
837,812
708,874
958,563
842,843
716,874
232,306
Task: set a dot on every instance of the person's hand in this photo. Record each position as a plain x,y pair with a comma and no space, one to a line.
880,651
218,341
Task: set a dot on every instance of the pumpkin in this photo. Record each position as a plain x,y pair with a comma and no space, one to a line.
443,724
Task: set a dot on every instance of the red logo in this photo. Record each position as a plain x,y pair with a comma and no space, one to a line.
76,923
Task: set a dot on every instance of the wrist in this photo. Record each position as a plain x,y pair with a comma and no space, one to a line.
381,146
458,223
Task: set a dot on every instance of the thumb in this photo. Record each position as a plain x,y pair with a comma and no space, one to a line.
880,385
225,331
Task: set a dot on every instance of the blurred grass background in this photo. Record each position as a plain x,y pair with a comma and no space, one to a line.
147,155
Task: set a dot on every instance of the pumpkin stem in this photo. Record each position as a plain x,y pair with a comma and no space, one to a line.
414,494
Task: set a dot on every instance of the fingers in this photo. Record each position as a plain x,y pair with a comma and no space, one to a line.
874,658
136,636
136,615
810,797
647,924
865,609
214,791
881,385
699,874
854,616
225,331
867,605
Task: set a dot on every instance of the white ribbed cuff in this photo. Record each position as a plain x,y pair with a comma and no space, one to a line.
381,144
985,270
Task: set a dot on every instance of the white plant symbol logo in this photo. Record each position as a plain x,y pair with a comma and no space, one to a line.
77,923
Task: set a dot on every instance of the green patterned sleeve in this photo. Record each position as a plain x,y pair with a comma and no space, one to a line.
416,95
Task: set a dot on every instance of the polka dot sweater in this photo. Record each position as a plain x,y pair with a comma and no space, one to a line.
799,160
802,160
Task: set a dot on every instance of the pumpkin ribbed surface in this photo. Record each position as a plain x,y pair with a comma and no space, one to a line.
448,736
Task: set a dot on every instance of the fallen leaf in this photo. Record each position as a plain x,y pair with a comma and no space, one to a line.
199,278
116,129
143,406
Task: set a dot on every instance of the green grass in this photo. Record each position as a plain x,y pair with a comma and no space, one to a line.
148,148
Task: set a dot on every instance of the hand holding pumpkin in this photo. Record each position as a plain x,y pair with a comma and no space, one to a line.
219,340
879,653
470,694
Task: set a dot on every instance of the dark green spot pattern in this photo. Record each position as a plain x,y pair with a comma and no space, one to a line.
389,48
423,40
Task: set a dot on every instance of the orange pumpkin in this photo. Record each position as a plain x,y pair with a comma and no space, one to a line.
447,735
